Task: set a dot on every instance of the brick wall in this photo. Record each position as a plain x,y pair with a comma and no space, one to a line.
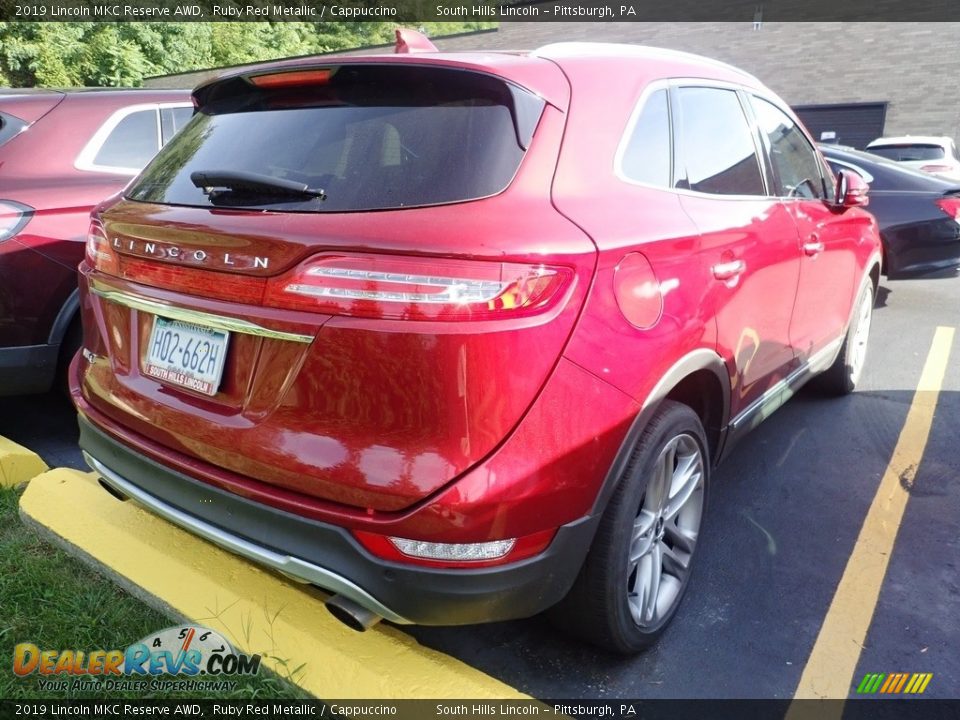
913,66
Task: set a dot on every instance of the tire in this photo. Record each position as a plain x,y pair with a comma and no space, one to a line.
842,377
642,540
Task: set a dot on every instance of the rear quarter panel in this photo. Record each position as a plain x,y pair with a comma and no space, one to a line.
624,217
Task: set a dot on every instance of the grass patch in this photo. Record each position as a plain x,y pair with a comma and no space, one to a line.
56,602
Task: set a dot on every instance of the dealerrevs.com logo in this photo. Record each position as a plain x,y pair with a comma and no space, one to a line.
184,652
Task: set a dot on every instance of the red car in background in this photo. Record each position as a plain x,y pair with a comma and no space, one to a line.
459,337
61,153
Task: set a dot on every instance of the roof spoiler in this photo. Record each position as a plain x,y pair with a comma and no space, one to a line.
411,41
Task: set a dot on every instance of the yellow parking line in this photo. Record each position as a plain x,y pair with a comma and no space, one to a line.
833,660
256,609
17,464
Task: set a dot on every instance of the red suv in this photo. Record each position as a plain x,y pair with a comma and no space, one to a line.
459,337
61,153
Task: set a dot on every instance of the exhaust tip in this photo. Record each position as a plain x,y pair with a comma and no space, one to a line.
354,616
112,490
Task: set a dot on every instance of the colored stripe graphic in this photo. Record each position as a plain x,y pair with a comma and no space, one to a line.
903,680
891,680
919,683
894,683
912,684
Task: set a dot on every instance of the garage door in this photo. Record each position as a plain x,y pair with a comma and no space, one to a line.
853,124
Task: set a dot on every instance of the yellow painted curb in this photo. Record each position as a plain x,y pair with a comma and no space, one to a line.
259,611
17,464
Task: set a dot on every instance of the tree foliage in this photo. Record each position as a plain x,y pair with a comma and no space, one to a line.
71,54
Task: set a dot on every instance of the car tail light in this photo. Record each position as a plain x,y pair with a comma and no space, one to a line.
100,256
13,218
417,288
454,555
292,78
951,206
936,168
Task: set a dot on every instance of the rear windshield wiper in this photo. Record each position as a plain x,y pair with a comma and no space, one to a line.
218,182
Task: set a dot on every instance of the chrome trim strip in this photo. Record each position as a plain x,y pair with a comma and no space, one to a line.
773,394
699,359
85,160
293,567
219,322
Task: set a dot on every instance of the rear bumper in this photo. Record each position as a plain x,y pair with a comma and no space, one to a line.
327,556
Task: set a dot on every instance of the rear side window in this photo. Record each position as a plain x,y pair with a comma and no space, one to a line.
131,143
715,143
371,137
10,127
172,120
906,153
796,167
646,156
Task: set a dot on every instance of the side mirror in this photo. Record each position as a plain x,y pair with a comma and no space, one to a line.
851,190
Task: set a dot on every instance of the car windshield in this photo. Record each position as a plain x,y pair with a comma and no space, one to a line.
370,138
907,153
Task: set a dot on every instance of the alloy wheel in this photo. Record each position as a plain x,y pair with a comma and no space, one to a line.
665,532
858,351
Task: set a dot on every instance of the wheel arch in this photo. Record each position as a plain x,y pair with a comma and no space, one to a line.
68,312
700,381
875,270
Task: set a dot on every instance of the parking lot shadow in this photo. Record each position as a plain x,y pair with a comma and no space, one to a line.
47,424
785,511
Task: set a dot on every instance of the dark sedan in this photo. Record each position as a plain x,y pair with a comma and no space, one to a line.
918,213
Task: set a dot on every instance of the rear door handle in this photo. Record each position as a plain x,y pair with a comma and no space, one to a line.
729,270
813,247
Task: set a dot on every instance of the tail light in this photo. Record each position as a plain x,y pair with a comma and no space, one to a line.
454,555
951,206
100,256
417,289
292,78
13,218
937,168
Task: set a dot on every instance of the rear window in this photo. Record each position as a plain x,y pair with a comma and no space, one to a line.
906,153
371,138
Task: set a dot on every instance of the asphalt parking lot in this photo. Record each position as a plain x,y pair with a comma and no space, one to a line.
785,512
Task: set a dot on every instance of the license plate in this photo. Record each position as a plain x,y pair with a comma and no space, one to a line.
187,355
